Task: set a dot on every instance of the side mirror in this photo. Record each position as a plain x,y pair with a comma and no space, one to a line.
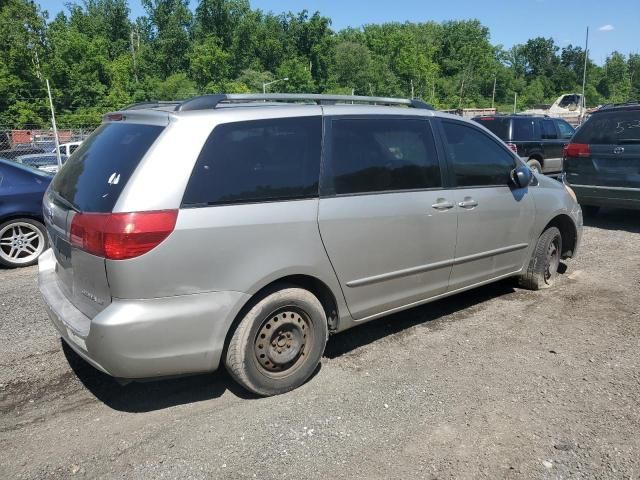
521,176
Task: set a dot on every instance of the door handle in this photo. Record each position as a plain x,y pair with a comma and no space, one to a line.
468,203
442,204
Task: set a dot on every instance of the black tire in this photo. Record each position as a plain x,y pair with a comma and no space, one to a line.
543,266
590,210
278,344
27,231
534,165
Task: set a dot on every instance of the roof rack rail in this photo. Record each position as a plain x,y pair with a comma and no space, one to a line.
613,105
206,102
524,114
150,104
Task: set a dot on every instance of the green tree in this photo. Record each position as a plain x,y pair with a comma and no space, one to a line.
170,21
208,62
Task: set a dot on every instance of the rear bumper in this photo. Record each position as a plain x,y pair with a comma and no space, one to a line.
617,197
134,338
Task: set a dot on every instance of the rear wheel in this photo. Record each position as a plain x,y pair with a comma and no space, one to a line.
279,342
543,266
22,240
534,165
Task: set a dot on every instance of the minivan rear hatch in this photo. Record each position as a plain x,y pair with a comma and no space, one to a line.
90,182
606,151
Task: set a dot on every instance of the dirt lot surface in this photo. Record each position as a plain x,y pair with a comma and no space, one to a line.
495,383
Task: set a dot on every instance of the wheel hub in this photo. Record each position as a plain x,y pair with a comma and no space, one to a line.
552,260
20,242
281,340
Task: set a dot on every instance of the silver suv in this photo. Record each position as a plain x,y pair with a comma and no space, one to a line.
245,229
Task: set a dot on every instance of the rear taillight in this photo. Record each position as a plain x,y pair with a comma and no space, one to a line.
119,236
579,150
513,147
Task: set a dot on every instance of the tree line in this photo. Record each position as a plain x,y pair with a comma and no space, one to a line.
97,59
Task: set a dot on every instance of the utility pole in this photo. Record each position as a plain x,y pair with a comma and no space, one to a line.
412,90
133,52
493,97
515,101
461,89
584,75
55,129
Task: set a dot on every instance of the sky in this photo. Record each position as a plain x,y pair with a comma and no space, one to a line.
613,24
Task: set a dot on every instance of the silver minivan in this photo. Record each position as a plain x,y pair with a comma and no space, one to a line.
245,229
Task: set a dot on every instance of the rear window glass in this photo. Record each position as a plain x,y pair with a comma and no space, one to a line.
499,126
94,176
258,161
610,128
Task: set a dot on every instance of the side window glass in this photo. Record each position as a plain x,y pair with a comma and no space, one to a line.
381,154
549,130
477,160
524,129
260,160
566,130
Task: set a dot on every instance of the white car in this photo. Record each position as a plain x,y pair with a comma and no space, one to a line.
68,148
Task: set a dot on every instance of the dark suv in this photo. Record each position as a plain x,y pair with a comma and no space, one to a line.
602,162
538,140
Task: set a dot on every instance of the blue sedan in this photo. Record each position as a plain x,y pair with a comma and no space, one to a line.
22,234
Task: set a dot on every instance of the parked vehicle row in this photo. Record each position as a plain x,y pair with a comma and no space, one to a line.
42,156
538,140
281,224
316,218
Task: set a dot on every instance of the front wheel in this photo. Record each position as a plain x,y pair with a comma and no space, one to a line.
22,240
278,344
543,266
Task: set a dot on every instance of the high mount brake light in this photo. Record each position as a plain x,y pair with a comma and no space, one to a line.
579,150
120,236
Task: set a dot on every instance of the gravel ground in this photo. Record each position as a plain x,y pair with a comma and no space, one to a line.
495,383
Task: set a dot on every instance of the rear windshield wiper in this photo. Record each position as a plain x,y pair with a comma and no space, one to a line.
64,201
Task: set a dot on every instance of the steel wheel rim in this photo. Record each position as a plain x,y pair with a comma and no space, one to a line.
552,260
283,342
20,243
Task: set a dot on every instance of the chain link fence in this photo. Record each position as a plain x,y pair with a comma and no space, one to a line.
36,146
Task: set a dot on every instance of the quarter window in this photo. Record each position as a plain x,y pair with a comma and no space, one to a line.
566,130
477,160
381,154
257,161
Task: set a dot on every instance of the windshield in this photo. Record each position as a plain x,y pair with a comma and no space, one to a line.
610,128
95,175
40,161
26,168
